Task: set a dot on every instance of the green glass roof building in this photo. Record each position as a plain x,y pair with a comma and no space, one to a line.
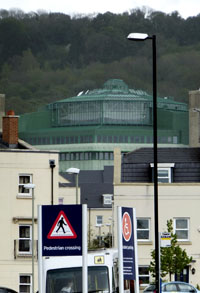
86,128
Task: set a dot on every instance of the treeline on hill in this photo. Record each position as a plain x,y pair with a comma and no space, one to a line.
46,57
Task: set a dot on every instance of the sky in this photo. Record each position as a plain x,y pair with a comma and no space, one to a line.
186,8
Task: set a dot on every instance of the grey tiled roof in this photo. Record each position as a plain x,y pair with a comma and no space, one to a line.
136,165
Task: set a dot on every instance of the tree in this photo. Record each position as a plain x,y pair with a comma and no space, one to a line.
173,259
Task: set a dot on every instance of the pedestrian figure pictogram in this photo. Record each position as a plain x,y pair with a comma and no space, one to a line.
61,228
60,223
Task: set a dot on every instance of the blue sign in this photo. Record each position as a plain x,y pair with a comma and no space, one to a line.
128,247
61,230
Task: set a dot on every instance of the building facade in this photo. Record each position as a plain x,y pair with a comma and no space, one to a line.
21,164
86,128
178,197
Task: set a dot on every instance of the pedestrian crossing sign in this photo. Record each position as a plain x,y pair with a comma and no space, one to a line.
62,228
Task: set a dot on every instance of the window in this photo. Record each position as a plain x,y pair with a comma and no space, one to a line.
164,172
106,155
62,156
107,199
81,156
175,139
99,220
143,229
25,284
144,277
25,239
170,287
181,228
100,156
164,175
24,179
58,140
111,156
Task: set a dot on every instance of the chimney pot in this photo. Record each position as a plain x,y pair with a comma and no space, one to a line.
10,113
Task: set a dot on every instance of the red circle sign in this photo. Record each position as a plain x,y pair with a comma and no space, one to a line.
126,226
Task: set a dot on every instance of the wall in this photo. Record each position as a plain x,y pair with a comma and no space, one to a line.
175,200
15,210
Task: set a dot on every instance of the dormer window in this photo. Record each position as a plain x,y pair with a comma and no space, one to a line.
107,199
165,172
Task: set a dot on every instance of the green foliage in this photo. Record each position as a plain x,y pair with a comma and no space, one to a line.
49,56
173,259
94,242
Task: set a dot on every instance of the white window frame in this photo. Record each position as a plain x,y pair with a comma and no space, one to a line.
168,177
27,192
166,167
140,275
25,239
25,284
107,199
97,220
148,229
182,229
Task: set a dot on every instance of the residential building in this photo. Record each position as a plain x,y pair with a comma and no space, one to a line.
86,128
178,199
20,163
95,188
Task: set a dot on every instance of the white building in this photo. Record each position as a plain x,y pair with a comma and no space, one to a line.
21,164
178,196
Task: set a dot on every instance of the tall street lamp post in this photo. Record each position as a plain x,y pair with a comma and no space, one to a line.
74,171
143,37
31,187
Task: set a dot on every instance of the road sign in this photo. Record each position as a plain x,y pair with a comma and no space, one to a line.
165,239
128,244
61,230
126,226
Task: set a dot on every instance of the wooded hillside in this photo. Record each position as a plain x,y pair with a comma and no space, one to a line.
50,56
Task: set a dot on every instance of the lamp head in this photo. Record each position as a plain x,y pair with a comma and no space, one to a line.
73,171
29,186
137,37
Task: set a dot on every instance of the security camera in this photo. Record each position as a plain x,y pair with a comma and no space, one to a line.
52,163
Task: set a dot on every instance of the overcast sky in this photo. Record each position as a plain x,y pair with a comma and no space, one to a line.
186,8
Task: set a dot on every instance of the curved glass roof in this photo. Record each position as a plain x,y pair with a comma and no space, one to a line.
113,89
117,89
113,104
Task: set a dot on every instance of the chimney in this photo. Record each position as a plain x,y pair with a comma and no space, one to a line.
10,129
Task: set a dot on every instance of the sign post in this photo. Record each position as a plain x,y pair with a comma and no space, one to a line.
62,231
